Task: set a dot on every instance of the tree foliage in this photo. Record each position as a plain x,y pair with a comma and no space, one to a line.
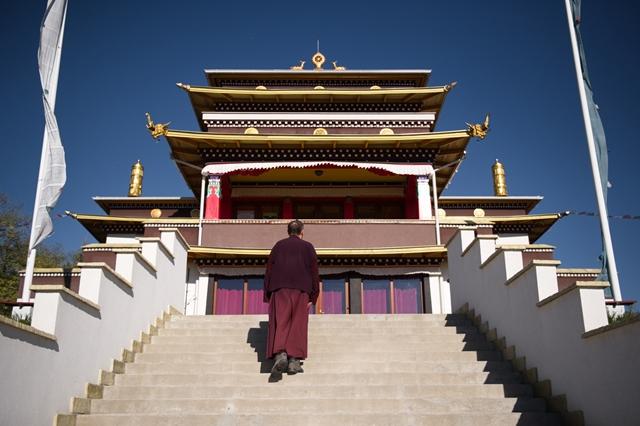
14,244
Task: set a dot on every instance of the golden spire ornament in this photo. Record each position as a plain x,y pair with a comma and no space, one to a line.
135,181
499,179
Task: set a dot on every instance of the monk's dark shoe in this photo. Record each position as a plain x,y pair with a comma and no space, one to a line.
280,363
294,366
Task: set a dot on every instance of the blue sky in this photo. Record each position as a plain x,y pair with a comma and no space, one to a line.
511,58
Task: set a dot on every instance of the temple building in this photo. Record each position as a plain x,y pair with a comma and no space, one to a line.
354,154
475,322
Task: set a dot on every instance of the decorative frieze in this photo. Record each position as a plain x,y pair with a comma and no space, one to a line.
319,123
318,107
415,155
341,261
299,82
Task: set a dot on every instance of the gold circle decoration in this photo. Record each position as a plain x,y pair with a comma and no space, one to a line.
318,88
386,131
478,213
442,213
261,87
156,213
251,131
318,60
374,87
320,131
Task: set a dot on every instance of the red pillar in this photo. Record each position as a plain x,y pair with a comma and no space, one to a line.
348,208
214,196
287,209
411,198
225,205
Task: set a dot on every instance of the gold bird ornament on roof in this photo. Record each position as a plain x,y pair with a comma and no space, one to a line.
479,130
156,130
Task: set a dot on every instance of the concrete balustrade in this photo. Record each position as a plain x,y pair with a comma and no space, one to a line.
74,335
563,333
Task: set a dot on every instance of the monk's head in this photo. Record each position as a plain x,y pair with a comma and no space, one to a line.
295,227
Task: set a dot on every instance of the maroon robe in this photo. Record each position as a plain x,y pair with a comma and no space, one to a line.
290,283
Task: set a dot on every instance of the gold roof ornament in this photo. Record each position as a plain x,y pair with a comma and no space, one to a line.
450,85
135,181
336,67
298,67
251,131
320,131
318,60
386,131
261,87
479,130
155,213
156,130
499,179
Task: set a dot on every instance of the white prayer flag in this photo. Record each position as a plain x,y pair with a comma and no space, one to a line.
52,174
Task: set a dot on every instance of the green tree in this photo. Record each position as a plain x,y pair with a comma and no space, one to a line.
14,243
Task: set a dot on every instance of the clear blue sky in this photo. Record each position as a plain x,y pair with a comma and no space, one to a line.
511,58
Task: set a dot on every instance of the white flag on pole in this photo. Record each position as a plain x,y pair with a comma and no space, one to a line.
52,175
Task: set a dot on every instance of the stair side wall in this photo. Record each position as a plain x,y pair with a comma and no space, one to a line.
87,329
598,373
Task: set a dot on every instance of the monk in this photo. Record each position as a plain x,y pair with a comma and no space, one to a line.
290,287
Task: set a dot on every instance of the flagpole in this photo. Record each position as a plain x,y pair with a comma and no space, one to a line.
51,95
602,207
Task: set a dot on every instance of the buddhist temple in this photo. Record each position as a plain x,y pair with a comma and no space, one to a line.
433,309
355,154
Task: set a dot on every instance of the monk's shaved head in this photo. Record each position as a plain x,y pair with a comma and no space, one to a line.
295,227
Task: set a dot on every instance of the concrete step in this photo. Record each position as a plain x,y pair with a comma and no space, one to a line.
323,339
321,357
411,405
313,379
394,345
314,330
297,390
320,326
324,318
346,368
319,419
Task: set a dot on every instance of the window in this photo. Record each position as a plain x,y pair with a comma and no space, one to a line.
334,298
379,210
228,296
266,210
407,295
319,210
376,296
255,297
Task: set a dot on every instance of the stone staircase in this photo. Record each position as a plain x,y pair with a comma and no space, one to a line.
362,370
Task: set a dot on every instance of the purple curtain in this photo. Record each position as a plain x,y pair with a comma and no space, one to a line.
406,300
375,301
228,301
255,304
332,302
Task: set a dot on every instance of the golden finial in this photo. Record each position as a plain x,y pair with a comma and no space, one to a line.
135,181
318,60
499,179
156,130
298,67
450,86
336,67
479,130
183,86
